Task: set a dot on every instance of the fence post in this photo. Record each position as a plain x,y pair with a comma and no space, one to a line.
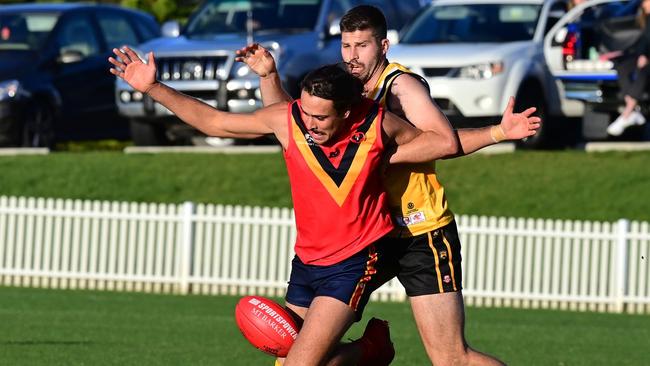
620,286
187,239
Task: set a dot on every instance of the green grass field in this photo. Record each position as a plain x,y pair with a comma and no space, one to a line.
556,184
63,327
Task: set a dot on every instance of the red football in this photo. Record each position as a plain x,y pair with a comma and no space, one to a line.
267,325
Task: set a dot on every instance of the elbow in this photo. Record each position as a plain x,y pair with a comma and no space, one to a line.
447,145
451,146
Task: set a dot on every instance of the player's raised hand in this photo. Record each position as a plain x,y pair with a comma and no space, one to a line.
128,66
258,59
516,126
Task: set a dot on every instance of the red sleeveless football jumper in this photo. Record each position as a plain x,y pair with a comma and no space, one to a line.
338,198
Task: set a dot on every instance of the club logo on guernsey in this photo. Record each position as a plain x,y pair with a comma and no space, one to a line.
358,137
310,140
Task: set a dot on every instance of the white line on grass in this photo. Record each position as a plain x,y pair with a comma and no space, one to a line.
202,149
24,151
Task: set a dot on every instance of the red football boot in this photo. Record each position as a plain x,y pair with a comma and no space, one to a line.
377,348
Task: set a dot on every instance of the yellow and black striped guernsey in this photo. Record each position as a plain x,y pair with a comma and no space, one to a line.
416,198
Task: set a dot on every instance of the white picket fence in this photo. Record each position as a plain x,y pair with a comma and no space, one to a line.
214,249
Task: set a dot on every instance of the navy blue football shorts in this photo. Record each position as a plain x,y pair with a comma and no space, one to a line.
350,281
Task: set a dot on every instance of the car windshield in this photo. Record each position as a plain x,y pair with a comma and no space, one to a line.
232,16
474,23
25,31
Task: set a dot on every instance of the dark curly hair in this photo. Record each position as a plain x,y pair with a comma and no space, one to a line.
333,83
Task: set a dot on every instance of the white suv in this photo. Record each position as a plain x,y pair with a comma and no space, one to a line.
475,54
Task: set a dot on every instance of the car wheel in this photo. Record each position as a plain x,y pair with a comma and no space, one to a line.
534,99
144,133
38,127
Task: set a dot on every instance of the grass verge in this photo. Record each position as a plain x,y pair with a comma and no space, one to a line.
562,185
65,327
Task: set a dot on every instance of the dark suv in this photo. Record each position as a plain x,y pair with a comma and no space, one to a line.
54,83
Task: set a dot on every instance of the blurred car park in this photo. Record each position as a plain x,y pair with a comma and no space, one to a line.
198,59
475,54
573,49
54,79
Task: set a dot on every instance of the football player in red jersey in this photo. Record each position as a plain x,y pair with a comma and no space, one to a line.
426,247
340,207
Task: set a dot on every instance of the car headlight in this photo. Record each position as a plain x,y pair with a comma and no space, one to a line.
481,71
9,89
242,70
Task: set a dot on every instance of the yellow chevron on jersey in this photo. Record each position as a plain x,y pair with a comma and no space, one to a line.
416,199
337,181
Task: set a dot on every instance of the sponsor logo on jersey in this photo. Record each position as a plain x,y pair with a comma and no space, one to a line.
412,219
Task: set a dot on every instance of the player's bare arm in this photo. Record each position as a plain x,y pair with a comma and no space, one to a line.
212,122
513,126
409,97
261,62
413,145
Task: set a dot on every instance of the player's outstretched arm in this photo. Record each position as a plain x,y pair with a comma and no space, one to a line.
261,62
413,145
413,98
142,77
513,126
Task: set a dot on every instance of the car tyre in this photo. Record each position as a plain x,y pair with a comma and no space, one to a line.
144,133
38,126
533,98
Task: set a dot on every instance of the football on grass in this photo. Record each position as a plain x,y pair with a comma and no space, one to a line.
266,325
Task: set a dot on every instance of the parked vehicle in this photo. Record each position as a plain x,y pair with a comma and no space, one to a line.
475,54
54,83
198,59
573,48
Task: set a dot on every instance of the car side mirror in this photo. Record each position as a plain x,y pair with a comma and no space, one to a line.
334,28
171,29
69,56
560,36
393,36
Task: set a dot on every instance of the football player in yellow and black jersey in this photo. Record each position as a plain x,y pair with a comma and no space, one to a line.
341,213
426,247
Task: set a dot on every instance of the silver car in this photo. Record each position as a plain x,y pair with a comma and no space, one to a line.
475,54
198,59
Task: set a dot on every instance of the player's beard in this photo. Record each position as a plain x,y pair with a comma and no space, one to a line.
367,71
